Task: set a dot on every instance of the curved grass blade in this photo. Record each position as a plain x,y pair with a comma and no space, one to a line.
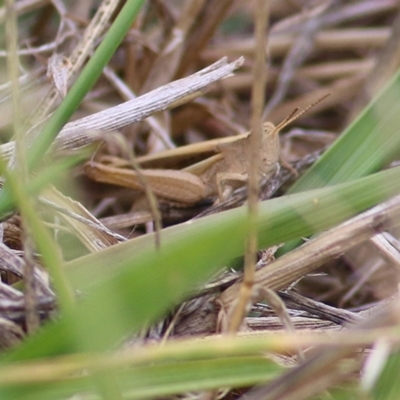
368,144
129,286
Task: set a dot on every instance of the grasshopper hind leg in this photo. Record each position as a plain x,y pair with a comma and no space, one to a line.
227,182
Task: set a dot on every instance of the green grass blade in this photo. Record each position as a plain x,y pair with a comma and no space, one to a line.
369,143
158,379
83,84
131,285
387,386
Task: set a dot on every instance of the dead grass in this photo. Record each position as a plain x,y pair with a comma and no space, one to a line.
349,49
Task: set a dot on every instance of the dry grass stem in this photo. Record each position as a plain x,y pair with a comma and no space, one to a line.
238,310
311,255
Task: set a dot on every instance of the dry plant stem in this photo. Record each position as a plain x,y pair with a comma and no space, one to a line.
160,99
12,69
80,221
279,44
363,280
81,52
336,69
319,72
86,221
392,241
61,9
82,132
164,68
387,250
339,14
387,62
295,22
360,9
10,262
32,319
323,311
154,209
280,309
23,6
254,161
300,50
45,48
314,375
263,325
121,221
292,266
92,234
212,15
127,94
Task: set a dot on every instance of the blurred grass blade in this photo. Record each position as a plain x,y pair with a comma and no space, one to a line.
129,286
44,177
83,84
157,380
41,237
369,143
388,385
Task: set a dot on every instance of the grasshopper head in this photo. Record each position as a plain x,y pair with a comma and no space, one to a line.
270,141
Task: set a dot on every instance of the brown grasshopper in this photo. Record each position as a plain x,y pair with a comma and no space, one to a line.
218,175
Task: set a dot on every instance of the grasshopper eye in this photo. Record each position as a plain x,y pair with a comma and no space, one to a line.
268,128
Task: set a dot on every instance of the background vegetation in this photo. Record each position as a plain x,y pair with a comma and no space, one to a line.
96,305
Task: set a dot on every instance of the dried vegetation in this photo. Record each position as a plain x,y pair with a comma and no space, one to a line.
346,48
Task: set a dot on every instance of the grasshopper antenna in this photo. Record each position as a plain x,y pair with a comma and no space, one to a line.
295,114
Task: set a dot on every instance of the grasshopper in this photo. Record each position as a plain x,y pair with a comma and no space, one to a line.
224,169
